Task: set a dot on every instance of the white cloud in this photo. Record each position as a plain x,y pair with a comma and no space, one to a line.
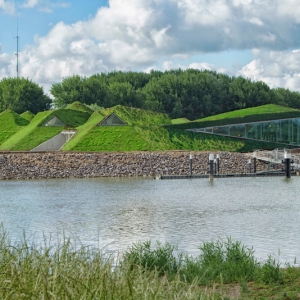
0,48
140,34
30,3
7,6
277,69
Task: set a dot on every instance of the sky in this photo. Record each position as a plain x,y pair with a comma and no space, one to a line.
257,39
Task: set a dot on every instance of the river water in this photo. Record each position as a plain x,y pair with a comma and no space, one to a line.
113,213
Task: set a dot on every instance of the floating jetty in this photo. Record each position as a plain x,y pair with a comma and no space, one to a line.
259,174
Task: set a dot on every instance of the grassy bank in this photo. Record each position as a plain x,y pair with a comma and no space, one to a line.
254,114
223,270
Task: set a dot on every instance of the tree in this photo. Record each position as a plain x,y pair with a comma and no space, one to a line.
21,94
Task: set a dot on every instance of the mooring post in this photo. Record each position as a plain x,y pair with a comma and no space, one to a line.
191,164
211,167
218,164
254,161
249,165
287,158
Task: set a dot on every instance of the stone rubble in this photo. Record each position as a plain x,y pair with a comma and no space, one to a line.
38,165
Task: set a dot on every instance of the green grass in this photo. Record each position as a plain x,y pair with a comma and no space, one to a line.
144,131
10,123
180,121
254,114
70,117
143,271
84,130
155,138
259,110
31,135
27,115
34,133
137,116
79,107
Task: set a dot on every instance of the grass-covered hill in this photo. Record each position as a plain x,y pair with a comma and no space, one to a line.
90,137
10,123
79,107
253,114
28,115
138,135
145,130
35,133
137,116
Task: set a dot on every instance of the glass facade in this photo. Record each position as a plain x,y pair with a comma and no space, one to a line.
285,131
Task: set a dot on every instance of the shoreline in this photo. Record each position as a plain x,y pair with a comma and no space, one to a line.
57,164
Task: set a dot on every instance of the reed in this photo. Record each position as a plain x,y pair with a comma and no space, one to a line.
143,271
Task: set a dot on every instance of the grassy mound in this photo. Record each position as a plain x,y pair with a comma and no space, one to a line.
28,115
254,114
10,123
84,130
137,116
79,107
154,138
180,121
143,132
34,134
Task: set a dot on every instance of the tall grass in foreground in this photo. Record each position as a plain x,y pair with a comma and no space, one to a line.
142,272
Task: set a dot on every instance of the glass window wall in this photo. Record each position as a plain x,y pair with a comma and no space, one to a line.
285,131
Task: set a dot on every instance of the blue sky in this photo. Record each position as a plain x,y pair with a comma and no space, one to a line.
250,38
34,21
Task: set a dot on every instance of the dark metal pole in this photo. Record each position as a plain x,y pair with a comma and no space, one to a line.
287,157
218,163
254,162
211,167
191,165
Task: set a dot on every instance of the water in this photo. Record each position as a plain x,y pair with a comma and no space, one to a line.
113,213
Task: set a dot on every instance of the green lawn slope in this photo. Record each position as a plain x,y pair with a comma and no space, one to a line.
28,115
180,121
137,116
10,123
253,114
145,130
158,138
79,107
138,136
34,133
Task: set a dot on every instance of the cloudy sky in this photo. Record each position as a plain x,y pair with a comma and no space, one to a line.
259,39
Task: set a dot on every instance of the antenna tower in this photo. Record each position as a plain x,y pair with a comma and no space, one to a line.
17,54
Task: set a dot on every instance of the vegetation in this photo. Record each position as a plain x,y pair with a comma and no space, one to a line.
144,132
222,270
34,134
80,107
10,123
155,138
191,94
254,114
27,115
20,95
180,120
135,116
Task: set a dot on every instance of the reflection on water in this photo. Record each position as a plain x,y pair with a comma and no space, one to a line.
113,213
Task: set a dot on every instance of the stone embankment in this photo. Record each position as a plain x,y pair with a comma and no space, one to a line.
36,165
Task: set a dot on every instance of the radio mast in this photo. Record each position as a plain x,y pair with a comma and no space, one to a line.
17,54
